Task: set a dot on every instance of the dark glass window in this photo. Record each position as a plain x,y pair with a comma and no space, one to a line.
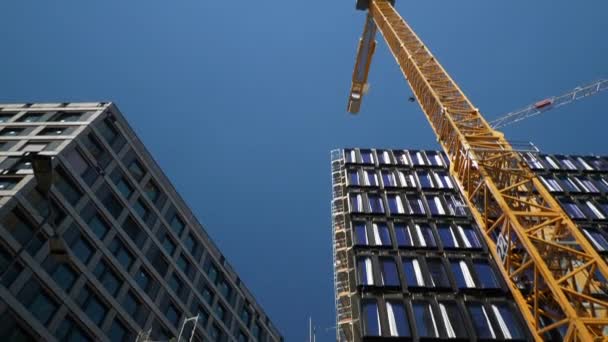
9,274
485,274
389,274
425,319
110,201
152,191
63,274
257,331
11,331
203,315
135,308
158,260
172,315
124,187
5,117
30,117
168,244
353,177
67,188
413,272
177,225
416,205
398,321
120,251
371,178
92,305
376,204
20,228
69,331
108,131
481,322
425,179
132,229
367,156
81,248
224,288
137,171
365,270
67,117
56,131
207,295
403,235
462,274
141,209
81,167
360,234
424,235
192,245
212,272
186,267
220,311
146,282
37,301
12,131
246,316
118,332
98,152
215,333
452,320
99,226
388,179
371,318
8,183
107,277
437,273
512,329
356,203
468,236
395,204
176,284
242,337
447,236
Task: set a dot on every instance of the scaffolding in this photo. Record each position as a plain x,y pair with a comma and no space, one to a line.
343,268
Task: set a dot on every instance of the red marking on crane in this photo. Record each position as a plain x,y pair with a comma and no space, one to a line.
542,104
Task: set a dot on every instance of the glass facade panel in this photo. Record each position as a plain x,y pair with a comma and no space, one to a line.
371,318
426,325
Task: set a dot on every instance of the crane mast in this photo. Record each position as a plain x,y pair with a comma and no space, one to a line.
556,277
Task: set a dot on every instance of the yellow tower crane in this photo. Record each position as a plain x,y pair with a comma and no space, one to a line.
556,277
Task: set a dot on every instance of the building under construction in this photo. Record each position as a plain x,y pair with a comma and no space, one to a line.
411,262
97,245
406,256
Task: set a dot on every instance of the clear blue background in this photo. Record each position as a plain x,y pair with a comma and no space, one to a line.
241,102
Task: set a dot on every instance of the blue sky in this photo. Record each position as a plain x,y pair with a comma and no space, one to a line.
240,102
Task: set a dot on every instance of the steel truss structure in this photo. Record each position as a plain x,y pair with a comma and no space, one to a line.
557,279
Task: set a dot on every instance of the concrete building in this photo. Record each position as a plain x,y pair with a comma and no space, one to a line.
138,260
409,260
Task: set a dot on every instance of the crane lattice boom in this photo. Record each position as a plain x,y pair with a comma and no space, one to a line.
557,279
550,103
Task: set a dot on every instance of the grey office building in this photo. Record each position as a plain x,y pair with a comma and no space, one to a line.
138,262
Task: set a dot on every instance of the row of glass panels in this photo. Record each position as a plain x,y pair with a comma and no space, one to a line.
395,157
410,204
434,319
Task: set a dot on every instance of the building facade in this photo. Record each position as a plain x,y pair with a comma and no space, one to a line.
139,263
580,184
409,260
